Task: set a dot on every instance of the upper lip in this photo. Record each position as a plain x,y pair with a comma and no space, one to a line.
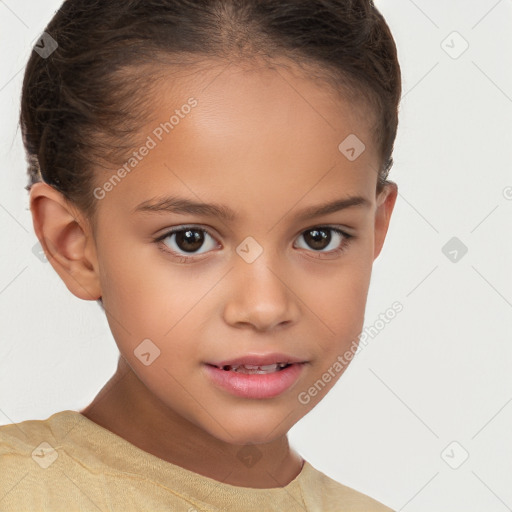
258,360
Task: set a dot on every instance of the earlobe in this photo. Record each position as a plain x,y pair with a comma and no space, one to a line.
66,240
385,205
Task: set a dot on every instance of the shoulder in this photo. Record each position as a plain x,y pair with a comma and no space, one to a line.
34,438
24,447
24,441
321,490
35,459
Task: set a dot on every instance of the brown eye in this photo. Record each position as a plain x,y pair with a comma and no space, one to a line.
187,240
320,238
317,239
190,240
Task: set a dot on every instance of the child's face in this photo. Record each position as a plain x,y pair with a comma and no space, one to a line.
264,145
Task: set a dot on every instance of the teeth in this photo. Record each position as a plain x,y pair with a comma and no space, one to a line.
256,369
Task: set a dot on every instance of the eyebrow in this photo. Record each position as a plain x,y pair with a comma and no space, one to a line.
181,205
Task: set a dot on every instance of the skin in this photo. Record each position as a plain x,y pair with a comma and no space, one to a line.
263,142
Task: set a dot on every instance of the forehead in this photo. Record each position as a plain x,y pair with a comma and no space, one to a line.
242,132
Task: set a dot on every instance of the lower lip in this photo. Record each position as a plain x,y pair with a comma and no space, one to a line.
245,385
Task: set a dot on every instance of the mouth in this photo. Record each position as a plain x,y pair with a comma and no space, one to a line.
251,369
255,381
263,363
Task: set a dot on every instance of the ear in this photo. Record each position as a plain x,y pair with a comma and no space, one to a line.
66,238
385,204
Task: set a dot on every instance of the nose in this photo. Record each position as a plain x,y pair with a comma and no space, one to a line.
260,296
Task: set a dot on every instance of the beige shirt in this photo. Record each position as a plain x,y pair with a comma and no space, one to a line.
67,462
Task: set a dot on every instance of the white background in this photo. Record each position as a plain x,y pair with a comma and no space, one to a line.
439,372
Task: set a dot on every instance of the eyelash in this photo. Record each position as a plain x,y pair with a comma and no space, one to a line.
347,239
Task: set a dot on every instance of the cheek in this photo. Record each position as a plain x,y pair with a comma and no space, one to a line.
336,328
147,297
341,289
338,303
130,290
133,279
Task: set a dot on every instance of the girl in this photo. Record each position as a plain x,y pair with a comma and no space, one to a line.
214,174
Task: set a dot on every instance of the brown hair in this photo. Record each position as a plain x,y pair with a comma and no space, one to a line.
80,106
